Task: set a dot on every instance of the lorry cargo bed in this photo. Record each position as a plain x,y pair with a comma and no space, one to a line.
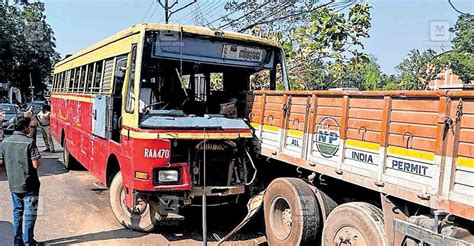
415,145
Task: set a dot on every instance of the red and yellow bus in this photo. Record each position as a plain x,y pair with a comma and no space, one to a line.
147,109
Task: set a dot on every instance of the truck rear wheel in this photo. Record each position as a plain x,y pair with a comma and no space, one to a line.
292,214
144,219
355,223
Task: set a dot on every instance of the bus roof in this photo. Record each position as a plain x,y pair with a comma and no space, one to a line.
170,27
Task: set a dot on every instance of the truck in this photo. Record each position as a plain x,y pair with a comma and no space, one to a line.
366,167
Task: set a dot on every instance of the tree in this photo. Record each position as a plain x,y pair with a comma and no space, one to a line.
461,58
417,69
27,45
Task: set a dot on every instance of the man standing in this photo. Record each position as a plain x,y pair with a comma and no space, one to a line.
43,120
33,122
22,160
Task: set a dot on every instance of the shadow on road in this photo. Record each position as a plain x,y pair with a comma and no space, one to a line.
3,173
6,235
221,220
50,165
96,237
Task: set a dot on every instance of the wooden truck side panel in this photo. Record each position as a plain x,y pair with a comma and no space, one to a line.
418,146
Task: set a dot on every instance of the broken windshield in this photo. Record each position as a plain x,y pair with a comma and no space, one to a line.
200,76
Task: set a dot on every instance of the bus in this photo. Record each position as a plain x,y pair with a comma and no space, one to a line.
157,113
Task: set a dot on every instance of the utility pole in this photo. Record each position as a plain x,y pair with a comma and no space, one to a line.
168,8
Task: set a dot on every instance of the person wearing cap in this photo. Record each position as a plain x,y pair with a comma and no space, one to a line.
21,158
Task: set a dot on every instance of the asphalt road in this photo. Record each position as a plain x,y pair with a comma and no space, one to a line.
74,209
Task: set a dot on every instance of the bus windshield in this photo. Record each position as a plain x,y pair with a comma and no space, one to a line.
195,76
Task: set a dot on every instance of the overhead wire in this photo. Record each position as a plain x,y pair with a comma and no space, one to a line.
148,10
213,9
222,17
198,9
153,13
245,15
204,12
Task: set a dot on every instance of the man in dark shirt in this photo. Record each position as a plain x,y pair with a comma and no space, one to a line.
22,159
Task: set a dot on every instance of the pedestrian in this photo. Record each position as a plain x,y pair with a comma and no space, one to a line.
34,122
43,120
22,160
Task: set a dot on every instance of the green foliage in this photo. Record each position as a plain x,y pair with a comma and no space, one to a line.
461,58
417,69
26,45
464,31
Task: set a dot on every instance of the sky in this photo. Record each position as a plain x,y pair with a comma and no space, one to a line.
397,25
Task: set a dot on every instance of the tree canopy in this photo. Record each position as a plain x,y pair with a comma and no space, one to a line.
27,45
324,45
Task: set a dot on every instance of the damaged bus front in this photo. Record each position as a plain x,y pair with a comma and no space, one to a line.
191,98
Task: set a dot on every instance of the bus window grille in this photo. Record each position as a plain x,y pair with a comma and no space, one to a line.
108,72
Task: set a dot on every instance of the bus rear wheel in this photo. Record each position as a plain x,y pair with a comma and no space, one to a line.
291,211
68,160
143,219
355,223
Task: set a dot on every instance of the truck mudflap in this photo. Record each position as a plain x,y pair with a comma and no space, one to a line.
253,206
426,236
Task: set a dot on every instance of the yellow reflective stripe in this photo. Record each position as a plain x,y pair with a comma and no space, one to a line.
74,98
184,135
429,156
362,144
271,128
254,125
465,162
295,133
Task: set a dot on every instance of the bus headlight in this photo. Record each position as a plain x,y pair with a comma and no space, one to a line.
168,176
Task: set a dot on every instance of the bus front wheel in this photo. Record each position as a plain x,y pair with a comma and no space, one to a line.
143,219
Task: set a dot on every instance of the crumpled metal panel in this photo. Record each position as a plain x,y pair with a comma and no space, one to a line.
205,122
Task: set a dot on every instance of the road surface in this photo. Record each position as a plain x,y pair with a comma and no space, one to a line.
74,209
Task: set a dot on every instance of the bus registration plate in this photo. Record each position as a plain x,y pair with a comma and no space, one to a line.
242,53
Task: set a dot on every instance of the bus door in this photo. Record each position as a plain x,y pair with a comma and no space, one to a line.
119,78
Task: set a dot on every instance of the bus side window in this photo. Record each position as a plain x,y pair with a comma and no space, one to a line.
81,84
106,86
67,81
76,79
61,81
98,76
130,99
90,73
53,84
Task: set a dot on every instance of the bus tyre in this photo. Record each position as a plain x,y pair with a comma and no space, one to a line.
143,220
355,223
69,161
291,211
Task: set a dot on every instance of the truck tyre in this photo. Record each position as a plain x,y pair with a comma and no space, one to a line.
143,221
291,211
355,223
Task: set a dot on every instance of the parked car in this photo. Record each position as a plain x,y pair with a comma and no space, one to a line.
10,112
